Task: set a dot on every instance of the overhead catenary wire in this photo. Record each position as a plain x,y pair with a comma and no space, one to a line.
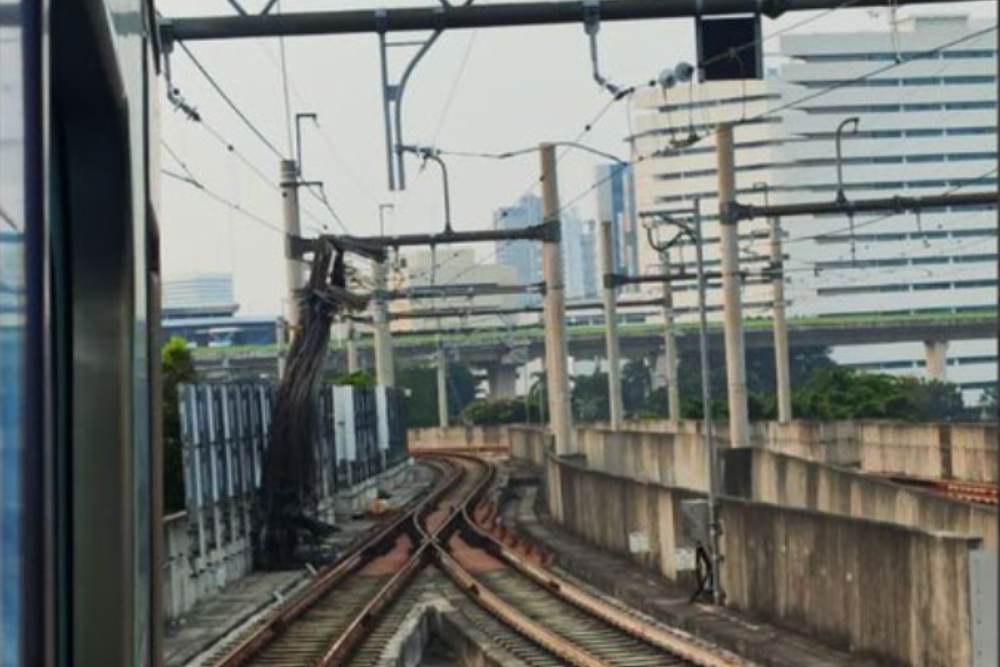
229,101
317,194
223,200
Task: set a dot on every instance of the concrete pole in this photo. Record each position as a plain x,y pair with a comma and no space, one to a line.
352,349
385,373
611,327
708,437
781,361
739,422
279,345
556,354
936,356
294,267
442,384
670,343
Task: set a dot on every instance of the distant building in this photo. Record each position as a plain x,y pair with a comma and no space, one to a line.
457,268
616,203
524,256
579,267
199,295
927,125
588,251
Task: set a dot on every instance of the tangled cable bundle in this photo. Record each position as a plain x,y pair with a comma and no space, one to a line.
288,485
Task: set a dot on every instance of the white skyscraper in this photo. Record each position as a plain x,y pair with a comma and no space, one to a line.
926,125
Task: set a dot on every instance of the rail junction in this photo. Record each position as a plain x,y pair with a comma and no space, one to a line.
450,539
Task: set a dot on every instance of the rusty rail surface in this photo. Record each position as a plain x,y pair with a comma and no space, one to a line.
677,642
277,624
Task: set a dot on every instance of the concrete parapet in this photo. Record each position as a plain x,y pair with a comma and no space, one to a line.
777,478
458,437
894,592
966,452
529,443
673,459
635,518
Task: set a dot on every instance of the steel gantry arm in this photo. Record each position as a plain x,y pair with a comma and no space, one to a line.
493,15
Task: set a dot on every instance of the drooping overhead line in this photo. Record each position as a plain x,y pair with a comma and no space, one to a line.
493,15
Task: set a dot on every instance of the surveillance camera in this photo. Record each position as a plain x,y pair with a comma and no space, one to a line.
666,79
683,72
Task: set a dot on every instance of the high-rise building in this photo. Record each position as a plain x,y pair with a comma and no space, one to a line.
199,295
616,203
524,256
926,125
575,267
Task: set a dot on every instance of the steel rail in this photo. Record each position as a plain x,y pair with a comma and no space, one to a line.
277,624
505,612
676,642
508,614
355,631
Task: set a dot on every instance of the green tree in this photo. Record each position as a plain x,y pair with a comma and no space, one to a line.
590,397
355,379
842,393
177,365
421,383
489,411
988,404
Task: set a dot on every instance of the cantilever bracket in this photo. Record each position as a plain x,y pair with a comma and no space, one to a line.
592,26
551,231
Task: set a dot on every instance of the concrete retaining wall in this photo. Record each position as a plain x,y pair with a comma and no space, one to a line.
185,578
529,443
672,459
458,437
896,593
965,452
785,480
637,519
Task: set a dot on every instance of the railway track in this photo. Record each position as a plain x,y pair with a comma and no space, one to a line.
354,610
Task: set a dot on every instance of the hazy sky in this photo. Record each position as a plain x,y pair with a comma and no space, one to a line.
485,90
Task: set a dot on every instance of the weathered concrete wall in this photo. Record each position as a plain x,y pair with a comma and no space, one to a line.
185,579
952,451
458,437
789,481
529,443
894,592
673,459
965,452
639,519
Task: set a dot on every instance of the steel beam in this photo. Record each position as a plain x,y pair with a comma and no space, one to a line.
507,14
547,231
882,204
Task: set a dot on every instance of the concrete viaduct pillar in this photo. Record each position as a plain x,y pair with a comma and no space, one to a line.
936,354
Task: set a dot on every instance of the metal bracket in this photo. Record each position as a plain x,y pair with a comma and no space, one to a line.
392,94
592,26
733,212
551,231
